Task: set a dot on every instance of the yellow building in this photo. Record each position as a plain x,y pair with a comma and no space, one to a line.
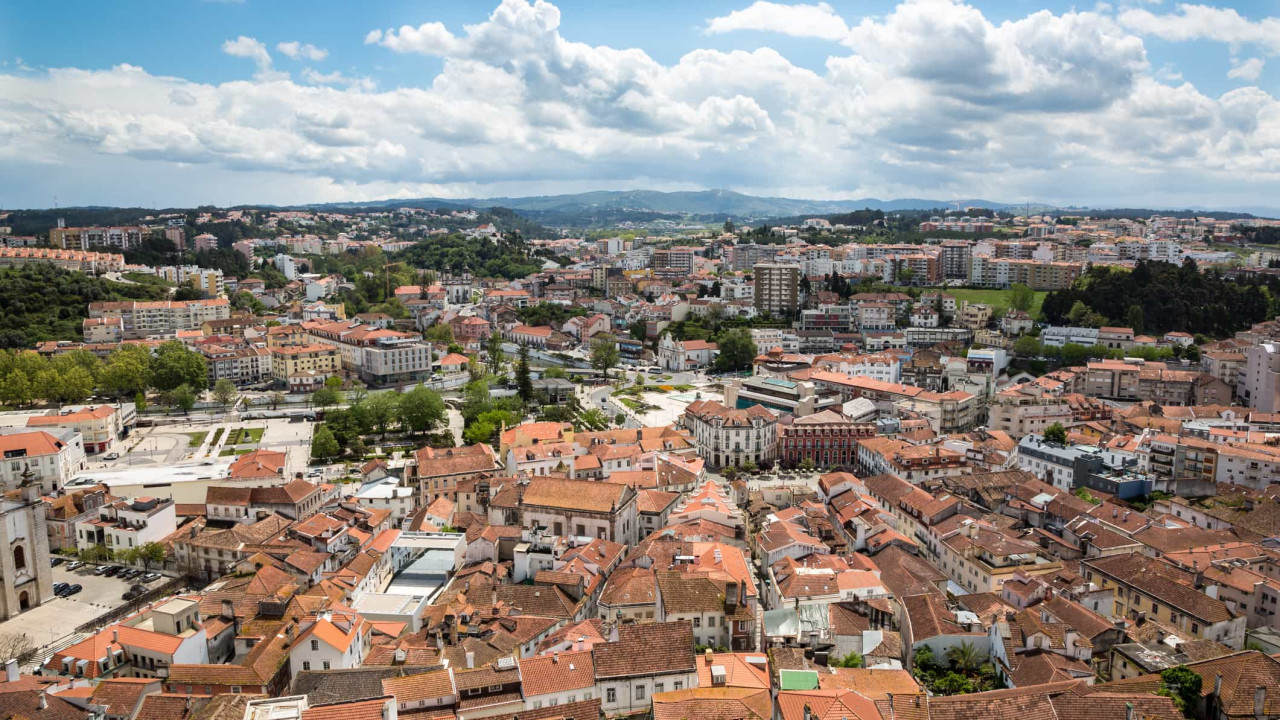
304,368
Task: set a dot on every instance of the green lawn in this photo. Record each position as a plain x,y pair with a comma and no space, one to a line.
998,299
233,437
197,438
252,435
229,451
216,435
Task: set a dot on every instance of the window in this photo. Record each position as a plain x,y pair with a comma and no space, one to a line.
678,685
611,695
326,664
657,687
306,664
537,704
235,689
315,645
697,622
639,692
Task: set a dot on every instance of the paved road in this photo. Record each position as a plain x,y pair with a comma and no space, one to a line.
60,616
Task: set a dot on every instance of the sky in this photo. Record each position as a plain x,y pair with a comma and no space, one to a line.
1144,103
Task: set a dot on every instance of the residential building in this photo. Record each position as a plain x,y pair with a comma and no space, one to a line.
731,437
100,427
161,318
581,508
827,438
126,524
644,660
304,368
777,288
51,456
1260,381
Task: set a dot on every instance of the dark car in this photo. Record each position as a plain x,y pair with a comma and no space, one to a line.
59,587
74,589
112,571
130,594
56,561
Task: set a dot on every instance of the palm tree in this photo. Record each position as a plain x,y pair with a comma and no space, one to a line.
964,656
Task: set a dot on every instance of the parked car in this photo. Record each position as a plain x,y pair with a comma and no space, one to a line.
75,565
113,570
111,456
59,587
56,561
74,589
150,577
101,569
129,595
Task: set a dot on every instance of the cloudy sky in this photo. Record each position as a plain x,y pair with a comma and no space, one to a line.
179,102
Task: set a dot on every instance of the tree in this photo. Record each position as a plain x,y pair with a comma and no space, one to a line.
737,350
16,646
224,392
381,409
852,660
964,656
439,333
1182,685
421,410
140,402
493,349
604,355
183,398
16,388
807,465
175,364
275,399
479,432
126,372
1055,433
152,553
326,397
1021,297
1135,318
324,446
639,330
1027,346
524,385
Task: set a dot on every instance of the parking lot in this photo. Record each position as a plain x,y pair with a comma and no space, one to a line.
60,616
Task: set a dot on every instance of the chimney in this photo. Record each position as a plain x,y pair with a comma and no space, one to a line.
11,670
471,660
1217,685
808,711
555,657
1259,701
228,610
707,654
115,635
43,703
1128,711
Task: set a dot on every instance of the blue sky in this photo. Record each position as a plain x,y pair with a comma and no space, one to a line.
191,101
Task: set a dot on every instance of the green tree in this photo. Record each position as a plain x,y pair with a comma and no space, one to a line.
326,397
224,392
176,364
807,465
1027,346
126,372
150,554
183,398
493,349
439,333
381,410
604,355
140,401
1079,313
16,388
1135,318
324,446
1021,297
1055,433
1182,685
524,385
275,399
639,330
1074,354
479,432
421,410
737,350
964,656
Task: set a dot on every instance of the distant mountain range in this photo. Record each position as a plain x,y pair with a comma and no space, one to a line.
696,203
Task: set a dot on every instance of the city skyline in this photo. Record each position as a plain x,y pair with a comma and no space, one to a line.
1146,105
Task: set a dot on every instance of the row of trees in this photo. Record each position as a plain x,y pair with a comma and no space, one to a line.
130,371
1029,346
1159,297
415,412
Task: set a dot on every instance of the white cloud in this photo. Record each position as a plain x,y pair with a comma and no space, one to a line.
930,100
1204,22
255,50
1248,69
815,21
299,51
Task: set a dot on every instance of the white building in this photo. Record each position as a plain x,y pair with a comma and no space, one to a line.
685,355
54,456
334,640
1260,382
127,524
